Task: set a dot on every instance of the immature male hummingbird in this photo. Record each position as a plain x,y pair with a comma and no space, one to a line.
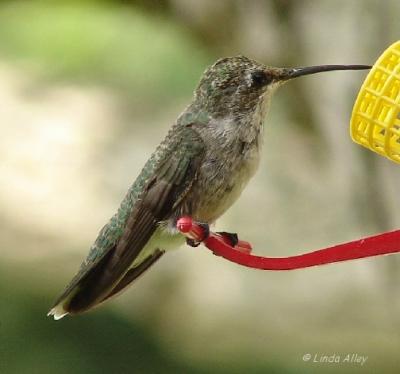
198,170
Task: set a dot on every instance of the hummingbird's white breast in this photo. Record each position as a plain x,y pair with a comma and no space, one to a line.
232,158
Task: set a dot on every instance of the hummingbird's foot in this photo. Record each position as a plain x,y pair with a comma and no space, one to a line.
232,237
192,242
206,234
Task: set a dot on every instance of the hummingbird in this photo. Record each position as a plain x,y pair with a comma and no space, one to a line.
199,170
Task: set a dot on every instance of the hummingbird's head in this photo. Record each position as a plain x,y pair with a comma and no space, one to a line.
233,85
236,86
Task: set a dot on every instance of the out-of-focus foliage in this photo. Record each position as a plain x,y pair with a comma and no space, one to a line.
105,44
89,88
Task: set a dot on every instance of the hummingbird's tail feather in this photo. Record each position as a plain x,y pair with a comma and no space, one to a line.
57,312
93,286
102,279
61,309
62,305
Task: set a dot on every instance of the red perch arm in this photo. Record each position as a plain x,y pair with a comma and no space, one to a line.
376,245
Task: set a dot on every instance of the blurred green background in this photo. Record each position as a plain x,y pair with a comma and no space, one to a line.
87,91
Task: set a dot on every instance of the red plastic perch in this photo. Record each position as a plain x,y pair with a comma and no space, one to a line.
376,245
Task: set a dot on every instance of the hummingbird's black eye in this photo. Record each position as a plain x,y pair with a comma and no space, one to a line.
260,78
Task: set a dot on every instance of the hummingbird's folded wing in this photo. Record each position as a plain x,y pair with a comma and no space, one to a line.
133,273
174,174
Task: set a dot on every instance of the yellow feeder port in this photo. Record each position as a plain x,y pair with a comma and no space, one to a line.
375,121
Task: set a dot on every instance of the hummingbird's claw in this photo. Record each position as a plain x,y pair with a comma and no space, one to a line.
205,235
192,242
232,237
206,228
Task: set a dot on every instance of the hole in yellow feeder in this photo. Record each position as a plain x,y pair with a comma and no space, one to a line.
394,90
378,80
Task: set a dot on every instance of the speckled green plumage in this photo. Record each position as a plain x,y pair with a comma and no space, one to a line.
182,144
178,142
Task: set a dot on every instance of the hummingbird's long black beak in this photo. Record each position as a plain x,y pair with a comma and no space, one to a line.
298,72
